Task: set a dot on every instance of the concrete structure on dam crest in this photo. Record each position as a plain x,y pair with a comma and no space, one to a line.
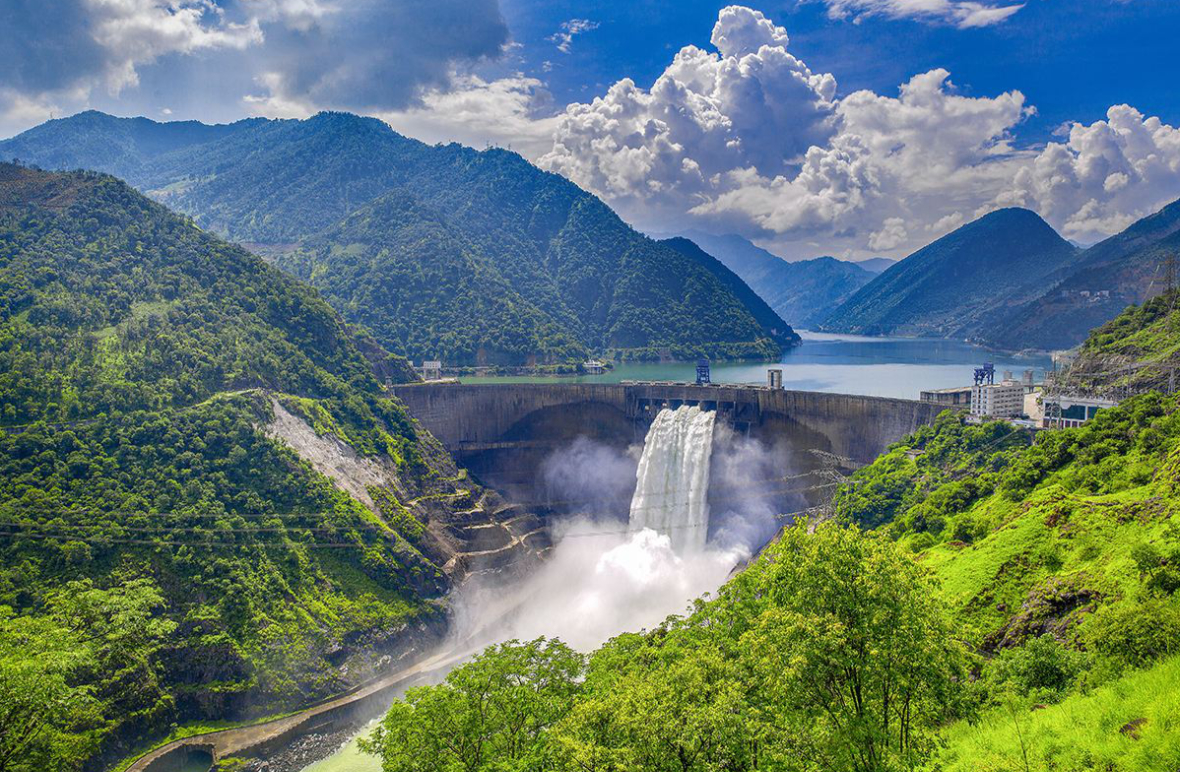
503,432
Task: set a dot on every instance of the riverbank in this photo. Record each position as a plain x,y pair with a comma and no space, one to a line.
344,714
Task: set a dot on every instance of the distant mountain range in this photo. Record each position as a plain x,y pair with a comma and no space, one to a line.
954,286
875,264
803,292
1008,281
438,251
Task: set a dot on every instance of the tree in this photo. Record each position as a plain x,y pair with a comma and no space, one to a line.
851,662
40,708
492,713
669,701
122,634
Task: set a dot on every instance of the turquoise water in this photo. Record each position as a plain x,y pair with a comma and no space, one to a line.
347,759
843,364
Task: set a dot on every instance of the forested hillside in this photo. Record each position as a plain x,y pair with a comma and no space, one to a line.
1128,268
588,280
954,286
164,556
1136,351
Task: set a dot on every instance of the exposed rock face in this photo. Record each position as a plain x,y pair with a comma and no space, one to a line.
462,527
1052,608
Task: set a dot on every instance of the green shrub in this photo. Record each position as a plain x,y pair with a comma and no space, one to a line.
1042,670
1135,634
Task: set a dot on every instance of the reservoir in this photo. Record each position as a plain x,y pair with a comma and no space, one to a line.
842,364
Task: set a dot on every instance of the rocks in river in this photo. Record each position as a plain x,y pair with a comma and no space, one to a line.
302,752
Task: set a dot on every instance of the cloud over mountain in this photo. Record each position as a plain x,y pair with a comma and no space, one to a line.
751,107
288,55
749,139
1104,176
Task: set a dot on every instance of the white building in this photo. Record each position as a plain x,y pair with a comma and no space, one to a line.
432,370
998,400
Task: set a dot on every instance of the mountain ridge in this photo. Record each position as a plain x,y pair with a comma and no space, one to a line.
564,252
950,287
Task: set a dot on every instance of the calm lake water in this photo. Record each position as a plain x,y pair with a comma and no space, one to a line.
843,364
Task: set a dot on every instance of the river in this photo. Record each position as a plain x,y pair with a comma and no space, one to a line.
842,364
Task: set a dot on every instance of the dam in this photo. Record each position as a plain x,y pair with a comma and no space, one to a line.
502,433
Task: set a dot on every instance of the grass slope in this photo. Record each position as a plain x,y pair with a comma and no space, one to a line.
1084,732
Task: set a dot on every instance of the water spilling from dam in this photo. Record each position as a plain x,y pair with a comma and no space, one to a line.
625,566
672,481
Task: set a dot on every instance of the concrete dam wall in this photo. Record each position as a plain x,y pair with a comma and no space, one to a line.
503,433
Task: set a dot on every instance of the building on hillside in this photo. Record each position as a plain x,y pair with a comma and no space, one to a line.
593,367
432,370
959,396
1065,412
774,378
998,400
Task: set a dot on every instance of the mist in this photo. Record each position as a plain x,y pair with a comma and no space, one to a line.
601,577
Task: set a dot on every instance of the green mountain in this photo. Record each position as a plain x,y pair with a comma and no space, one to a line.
1125,269
802,292
763,313
1136,351
118,146
209,509
953,286
574,268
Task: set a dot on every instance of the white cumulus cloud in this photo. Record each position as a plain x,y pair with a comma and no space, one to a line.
514,111
751,107
749,139
1104,177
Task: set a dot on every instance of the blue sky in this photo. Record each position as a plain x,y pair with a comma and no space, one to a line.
1072,58
850,127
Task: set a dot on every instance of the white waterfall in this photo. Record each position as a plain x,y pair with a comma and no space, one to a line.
671,492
